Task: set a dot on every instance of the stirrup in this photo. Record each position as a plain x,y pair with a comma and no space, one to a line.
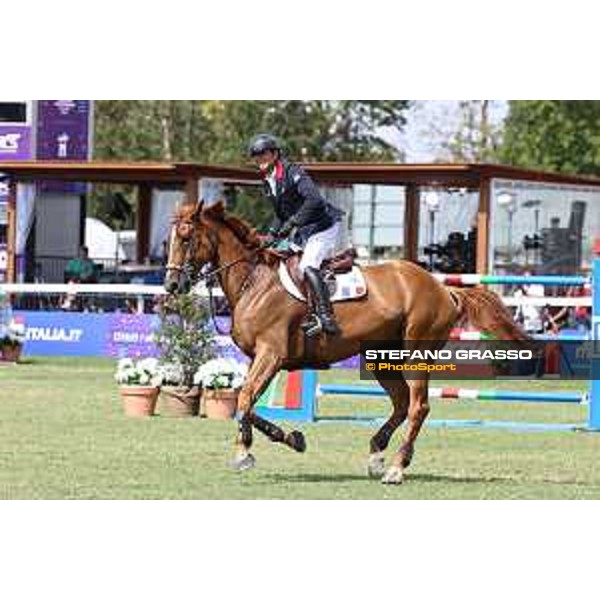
312,326
333,329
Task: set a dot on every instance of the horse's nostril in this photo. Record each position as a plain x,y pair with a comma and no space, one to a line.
171,286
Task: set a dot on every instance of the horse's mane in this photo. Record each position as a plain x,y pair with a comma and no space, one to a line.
244,232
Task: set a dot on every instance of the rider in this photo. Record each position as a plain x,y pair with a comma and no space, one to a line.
302,213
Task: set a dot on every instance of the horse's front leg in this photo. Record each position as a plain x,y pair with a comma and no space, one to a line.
263,368
294,439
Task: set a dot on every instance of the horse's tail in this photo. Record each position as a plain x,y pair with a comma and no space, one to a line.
485,310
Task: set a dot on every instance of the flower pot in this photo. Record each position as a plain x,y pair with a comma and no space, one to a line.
220,404
139,401
179,401
11,353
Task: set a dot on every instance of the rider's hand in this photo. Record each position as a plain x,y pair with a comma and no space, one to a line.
285,230
265,239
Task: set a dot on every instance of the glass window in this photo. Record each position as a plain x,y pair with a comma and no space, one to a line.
447,235
377,222
543,228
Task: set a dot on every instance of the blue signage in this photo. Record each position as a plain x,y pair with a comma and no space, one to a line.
109,334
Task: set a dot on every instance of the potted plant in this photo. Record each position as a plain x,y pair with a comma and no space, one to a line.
178,397
139,386
185,342
221,380
12,338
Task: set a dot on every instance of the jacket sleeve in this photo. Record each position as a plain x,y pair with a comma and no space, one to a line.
313,203
275,224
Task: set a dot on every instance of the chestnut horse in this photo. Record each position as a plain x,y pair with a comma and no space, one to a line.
404,302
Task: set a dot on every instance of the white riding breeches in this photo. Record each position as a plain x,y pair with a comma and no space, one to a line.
320,246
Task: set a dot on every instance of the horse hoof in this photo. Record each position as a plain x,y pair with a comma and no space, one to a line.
376,466
243,462
393,476
296,441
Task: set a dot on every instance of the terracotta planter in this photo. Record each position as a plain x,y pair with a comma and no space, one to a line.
139,401
179,401
11,353
220,404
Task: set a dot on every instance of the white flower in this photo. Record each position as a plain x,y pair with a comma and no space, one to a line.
171,374
148,364
156,380
125,363
16,331
145,372
221,373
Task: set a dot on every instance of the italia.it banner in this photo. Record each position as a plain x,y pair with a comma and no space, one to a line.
50,333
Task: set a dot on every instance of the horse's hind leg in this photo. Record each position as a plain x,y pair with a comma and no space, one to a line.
399,393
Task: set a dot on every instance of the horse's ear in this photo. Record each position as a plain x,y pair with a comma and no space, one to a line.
197,214
215,211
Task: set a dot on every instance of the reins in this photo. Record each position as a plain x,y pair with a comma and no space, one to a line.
208,277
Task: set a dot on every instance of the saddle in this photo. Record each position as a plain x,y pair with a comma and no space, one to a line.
342,262
343,276
338,264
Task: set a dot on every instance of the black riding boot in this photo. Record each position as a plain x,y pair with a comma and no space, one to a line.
320,294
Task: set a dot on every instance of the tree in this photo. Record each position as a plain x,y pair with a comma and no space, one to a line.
557,135
216,131
311,130
466,131
162,130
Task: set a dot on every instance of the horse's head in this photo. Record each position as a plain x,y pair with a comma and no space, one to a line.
189,248
196,239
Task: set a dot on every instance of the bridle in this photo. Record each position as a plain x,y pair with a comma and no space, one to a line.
195,273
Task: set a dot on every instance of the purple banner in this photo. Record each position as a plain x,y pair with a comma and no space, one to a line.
15,142
63,128
130,335
110,334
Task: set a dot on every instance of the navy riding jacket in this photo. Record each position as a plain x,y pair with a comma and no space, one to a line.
299,203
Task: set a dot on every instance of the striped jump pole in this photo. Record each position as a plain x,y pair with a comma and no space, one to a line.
455,393
459,280
473,335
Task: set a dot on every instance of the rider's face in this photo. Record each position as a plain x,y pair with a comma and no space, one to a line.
265,161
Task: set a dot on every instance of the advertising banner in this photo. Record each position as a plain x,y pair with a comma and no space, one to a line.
63,133
115,335
15,142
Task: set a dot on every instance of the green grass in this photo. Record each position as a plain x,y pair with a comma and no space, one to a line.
63,435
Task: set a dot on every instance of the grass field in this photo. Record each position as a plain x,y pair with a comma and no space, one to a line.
63,435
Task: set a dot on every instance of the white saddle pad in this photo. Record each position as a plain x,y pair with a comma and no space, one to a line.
349,286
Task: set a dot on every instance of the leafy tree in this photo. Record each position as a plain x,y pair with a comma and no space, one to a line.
463,133
216,131
558,135
162,130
